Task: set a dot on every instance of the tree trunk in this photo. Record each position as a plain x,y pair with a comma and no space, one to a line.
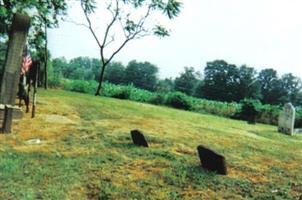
45,59
98,91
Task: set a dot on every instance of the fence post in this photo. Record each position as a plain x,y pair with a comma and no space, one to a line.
13,63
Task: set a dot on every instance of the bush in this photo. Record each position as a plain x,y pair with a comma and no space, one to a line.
158,99
267,114
139,95
55,82
121,93
80,86
178,100
249,110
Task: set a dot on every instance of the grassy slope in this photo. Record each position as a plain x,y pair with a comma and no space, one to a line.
86,153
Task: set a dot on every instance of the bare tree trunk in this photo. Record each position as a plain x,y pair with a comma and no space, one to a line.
45,59
98,91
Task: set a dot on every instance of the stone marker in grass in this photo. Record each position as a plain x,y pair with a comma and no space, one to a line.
138,138
286,120
212,161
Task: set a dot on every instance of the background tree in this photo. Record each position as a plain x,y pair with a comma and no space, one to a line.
187,81
60,67
248,86
271,87
221,81
135,19
165,85
81,68
292,85
141,74
115,73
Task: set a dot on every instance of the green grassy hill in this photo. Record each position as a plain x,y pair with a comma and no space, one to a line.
86,152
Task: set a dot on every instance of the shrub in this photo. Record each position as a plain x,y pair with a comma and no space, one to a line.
158,99
55,82
178,100
80,86
249,110
139,95
121,93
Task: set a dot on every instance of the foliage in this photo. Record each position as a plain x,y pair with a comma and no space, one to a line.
141,74
271,87
165,85
178,100
80,86
248,110
267,114
226,82
158,99
187,81
220,81
122,93
115,73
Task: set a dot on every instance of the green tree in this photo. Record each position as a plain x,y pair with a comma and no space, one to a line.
292,85
187,81
134,17
248,86
141,74
221,81
82,68
165,85
271,87
60,67
115,73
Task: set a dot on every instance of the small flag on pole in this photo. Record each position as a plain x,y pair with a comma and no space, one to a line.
27,62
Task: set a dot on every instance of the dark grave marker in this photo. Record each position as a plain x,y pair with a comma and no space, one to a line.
212,161
138,138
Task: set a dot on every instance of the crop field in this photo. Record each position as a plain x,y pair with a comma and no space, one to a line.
79,147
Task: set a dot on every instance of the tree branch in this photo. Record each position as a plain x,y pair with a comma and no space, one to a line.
115,15
90,25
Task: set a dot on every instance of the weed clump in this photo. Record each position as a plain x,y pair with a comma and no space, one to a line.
178,100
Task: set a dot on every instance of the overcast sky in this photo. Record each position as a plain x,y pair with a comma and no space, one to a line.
258,33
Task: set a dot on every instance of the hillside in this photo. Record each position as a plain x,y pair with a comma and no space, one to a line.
85,152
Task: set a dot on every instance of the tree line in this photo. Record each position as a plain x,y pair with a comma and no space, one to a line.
220,81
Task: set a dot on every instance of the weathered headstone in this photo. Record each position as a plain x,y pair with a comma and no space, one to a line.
17,112
286,120
13,63
138,138
212,161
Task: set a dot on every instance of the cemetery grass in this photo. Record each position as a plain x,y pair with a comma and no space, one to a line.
86,152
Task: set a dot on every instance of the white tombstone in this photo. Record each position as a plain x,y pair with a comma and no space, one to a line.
286,121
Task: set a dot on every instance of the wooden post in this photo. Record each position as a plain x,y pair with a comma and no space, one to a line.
36,74
13,63
8,118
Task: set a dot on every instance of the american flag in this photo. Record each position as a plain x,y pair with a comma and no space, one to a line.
26,64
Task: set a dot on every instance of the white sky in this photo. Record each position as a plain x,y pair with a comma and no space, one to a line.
259,33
